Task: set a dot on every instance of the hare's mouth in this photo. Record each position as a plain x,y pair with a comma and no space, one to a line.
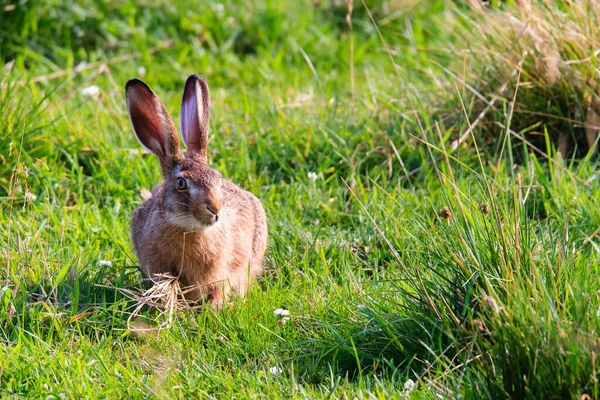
193,222
207,219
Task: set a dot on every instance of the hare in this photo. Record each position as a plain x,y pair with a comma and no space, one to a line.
195,224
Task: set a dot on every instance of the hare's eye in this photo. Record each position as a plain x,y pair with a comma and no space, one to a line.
181,184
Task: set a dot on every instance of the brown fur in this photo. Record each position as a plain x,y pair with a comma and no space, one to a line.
213,235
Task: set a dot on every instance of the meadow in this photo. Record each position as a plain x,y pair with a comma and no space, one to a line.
428,168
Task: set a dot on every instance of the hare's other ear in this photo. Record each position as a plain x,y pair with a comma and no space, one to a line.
152,124
195,115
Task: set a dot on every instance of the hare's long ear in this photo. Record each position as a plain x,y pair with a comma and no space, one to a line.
195,115
152,124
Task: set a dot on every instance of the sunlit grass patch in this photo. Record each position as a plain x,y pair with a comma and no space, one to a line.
418,247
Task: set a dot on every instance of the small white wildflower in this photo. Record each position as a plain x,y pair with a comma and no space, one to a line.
409,385
275,370
331,200
30,197
105,263
281,312
222,338
219,7
9,65
78,31
80,67
141,71
91,92
312,176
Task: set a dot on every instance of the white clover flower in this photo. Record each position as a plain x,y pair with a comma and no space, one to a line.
80,67
105,263
281,312
312,176
30,197
141,71
275,370
9,65
90,92
78,31
409,385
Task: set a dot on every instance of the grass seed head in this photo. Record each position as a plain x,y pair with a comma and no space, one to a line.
491,303
445,213
484,208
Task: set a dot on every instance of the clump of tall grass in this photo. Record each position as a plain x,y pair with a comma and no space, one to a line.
503,285
548,52
497,295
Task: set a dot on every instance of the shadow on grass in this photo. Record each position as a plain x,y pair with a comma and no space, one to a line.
91,302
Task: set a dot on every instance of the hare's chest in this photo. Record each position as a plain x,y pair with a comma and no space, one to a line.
193,257
191,254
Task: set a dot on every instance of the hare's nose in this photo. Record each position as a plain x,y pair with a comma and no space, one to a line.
213,208
214,203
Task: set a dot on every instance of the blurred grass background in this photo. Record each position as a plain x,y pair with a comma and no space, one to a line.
428,169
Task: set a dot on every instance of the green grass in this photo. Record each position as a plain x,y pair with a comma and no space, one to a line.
501,299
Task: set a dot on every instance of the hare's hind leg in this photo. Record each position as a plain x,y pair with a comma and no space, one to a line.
219,294
246,276
235,284
218,287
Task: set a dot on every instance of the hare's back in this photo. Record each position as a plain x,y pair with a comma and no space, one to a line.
249,213
142,217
